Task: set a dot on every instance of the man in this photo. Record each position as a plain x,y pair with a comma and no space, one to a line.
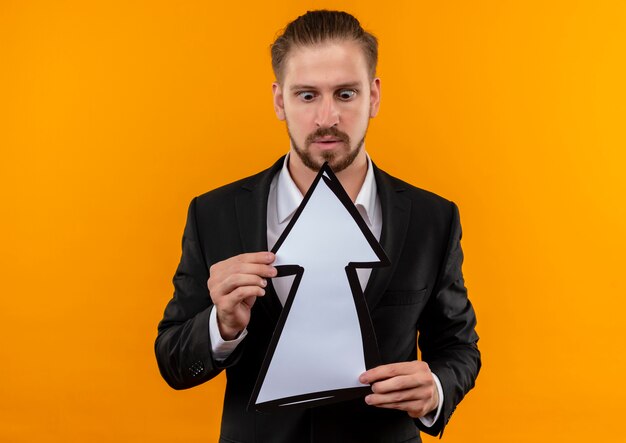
327,91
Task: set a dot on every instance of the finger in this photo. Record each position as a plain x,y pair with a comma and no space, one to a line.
387,371
407,395
400,383
257,263
261,270
249,302
230,301
244,292
235,281
223,281
263,257
414,393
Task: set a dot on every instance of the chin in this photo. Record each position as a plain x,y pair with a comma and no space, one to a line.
339,163
338,159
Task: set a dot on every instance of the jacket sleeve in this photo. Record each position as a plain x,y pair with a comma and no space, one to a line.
183,346
447,338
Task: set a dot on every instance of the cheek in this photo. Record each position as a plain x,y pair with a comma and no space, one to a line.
301,122
356,114
356,122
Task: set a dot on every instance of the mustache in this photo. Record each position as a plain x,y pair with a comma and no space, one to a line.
326,132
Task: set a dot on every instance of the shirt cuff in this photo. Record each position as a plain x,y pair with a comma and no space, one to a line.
221,348
429,419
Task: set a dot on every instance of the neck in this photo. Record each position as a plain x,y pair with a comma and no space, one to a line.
351,178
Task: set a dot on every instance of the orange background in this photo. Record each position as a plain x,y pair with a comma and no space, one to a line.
114,114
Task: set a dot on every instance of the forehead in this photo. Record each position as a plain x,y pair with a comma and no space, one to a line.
325,64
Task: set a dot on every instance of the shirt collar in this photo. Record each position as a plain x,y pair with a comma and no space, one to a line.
289,196
366,199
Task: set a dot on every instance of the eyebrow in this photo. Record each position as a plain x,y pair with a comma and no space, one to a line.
340,86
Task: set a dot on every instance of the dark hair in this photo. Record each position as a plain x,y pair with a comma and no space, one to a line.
317,27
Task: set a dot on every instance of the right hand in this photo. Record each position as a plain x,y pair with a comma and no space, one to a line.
234,284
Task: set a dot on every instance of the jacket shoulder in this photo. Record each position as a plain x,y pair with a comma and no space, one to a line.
421,197
221,194
228,192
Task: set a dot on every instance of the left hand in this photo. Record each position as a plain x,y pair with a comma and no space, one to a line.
407,386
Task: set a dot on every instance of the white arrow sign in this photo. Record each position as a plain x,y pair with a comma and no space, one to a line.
324,338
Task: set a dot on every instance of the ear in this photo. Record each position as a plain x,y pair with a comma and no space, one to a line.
374,97
279,102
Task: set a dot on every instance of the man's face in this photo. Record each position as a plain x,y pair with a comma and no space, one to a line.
327,99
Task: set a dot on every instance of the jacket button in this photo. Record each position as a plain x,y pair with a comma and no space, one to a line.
196,368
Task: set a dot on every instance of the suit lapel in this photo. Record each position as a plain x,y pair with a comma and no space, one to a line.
251,207
396,211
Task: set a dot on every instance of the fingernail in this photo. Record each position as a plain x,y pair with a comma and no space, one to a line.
264,282
368,399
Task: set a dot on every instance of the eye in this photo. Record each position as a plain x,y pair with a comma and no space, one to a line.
346,94
306,96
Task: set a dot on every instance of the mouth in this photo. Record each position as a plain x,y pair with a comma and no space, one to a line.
328,139
328,142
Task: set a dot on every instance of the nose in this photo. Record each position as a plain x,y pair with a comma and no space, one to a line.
327,113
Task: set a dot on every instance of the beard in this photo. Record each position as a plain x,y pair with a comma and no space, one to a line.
338,160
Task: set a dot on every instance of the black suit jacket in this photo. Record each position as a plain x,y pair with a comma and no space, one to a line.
421,292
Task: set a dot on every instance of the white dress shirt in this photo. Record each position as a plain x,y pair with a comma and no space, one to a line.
283,200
